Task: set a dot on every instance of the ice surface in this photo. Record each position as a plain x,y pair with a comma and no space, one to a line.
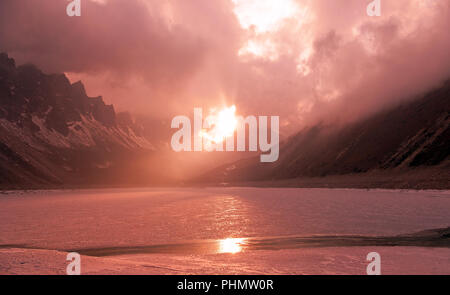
90,219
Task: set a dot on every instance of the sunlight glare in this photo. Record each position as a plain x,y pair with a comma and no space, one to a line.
264,18
230,245
264,15
223,124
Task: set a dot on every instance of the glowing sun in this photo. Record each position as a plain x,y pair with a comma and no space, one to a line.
222,124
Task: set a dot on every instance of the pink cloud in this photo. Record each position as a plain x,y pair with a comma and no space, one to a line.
328,61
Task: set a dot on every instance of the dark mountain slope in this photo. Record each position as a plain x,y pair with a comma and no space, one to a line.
412,135
51,133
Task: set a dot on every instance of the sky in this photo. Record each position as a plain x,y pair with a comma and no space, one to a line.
306,61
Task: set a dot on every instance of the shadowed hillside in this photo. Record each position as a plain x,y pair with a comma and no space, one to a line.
52,133
405,139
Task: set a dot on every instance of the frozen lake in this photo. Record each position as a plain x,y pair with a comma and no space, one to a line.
218,230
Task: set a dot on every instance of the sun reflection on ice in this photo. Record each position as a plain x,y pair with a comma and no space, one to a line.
230,245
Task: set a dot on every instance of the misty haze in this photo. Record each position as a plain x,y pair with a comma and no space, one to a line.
224,137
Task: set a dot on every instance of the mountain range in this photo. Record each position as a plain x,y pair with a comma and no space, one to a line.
53,134
406,145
